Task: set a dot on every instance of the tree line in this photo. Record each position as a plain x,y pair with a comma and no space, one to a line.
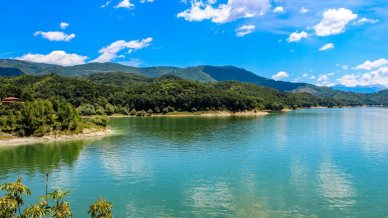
41,117
131,94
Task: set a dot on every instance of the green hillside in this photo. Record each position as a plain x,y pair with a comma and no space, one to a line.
10,72
95,72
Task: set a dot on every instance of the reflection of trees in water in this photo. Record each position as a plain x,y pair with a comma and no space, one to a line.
182,129
41,158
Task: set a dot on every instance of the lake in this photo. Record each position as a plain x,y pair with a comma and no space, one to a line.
304,163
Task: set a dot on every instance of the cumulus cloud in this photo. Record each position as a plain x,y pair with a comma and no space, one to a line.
244,30
278,10
55,57
280,75
296,37
125,4
327,47
223,13
369,65
305,75
145,1
55,36
377,77
109,53
64,25
334,22
303,10
324,80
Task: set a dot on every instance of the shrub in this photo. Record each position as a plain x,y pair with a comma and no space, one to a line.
100,120
86,110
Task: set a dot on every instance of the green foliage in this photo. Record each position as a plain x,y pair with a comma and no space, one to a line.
10,203
40,117
100,120
8,206
61,209
52,204
88,109
101,209
109,93
109,109
38,210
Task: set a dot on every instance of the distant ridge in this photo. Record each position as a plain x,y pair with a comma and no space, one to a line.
9,72
200,73
203,73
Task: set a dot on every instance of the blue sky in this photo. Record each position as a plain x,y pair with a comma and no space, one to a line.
319,42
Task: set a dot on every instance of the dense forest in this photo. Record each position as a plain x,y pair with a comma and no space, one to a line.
108,93
42,117
53,103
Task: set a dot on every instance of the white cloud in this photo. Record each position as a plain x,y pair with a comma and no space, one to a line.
125,4
244,30
378,77
312,77
304,10
324,80
106,4
334,22
305,75
327,47
369,65
278,10
55,36
109,53
64,25
145,1
55,57
345,67
296,37
365,21
223,13
280,75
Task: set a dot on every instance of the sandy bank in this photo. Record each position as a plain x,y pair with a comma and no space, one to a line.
213,114
86,134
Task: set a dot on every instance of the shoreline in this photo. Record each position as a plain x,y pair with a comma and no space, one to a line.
86,134
212,114
195,114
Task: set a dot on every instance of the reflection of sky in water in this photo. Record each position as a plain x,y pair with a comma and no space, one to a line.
121,164
306,163
336,186
212,199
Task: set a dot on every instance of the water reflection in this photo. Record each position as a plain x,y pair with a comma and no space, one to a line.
209,199
181,129
305,163
39,158
336,186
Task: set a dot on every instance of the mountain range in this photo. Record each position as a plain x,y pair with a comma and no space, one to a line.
11,67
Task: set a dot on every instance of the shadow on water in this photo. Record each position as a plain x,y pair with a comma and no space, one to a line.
178,129
38,158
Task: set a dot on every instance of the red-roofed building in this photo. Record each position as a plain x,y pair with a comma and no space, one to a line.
9,100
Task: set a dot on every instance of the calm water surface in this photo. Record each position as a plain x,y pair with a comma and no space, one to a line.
306,163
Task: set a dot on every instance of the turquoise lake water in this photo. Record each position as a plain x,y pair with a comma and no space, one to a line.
305,163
